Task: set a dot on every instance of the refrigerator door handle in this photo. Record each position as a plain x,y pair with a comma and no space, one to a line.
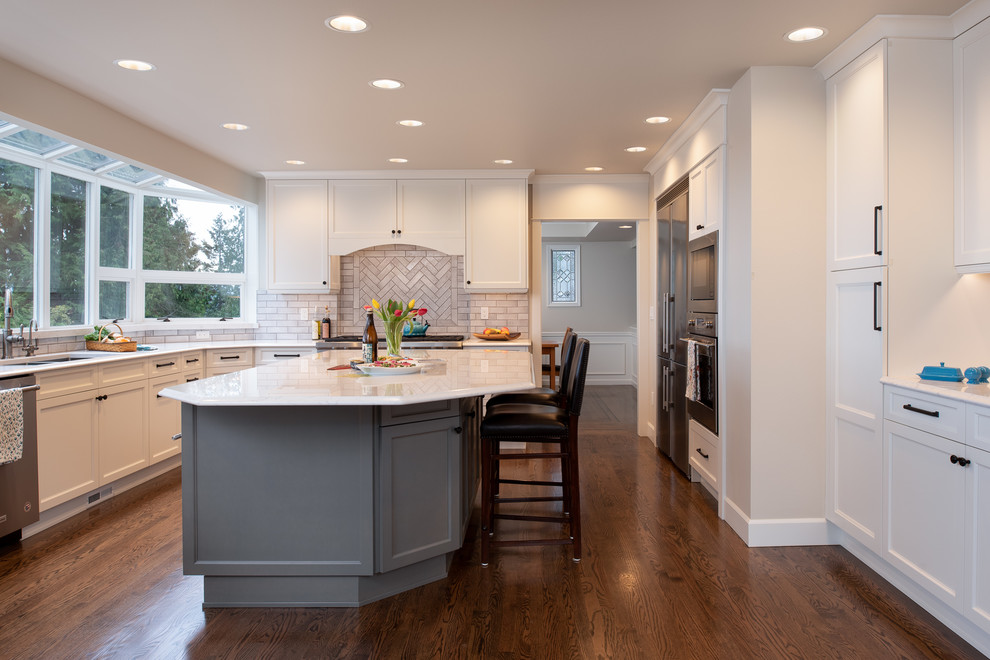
665,337
666,375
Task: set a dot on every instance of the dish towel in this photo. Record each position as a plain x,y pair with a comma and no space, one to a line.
11,425
693,377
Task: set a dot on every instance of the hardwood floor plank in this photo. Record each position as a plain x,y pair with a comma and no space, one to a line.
661,577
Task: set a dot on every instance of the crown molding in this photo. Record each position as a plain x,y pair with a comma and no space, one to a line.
714,100
883,27
395,174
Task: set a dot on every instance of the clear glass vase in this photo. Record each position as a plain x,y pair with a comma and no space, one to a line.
393,336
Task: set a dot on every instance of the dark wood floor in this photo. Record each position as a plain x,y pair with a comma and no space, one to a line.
661,577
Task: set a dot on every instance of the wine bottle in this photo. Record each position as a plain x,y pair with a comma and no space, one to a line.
369,340
325,324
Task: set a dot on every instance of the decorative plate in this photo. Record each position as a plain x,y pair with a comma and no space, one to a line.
406,367
498,337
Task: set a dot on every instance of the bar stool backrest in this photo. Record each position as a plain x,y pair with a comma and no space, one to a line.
577,376
566,355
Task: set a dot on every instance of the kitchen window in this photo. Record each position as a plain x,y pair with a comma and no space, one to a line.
87,239
562,276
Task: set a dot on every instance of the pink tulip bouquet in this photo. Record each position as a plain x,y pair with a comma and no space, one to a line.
394,315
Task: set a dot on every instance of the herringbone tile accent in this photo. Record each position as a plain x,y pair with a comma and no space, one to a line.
407,272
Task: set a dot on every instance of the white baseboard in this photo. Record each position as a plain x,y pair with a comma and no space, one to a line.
773,532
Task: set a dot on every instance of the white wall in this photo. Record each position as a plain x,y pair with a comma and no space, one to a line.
783,213
31,98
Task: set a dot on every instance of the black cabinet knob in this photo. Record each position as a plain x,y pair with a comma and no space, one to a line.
324,282
457,429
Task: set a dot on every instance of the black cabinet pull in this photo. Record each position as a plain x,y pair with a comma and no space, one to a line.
102,397
158,396
920,411
876,226
457,429
191,361
699,227
959,460
230,357
703,454
278,355
189,380
164,364
876,306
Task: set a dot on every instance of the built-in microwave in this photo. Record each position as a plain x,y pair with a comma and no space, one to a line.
702,279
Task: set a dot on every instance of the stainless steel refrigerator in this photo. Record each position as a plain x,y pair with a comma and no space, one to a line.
672,234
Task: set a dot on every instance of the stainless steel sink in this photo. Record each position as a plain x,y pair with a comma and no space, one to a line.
69,358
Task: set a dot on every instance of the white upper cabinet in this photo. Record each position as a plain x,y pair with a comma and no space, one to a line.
362,214
431,214
705,195
496,254
856,162
972,149
297,236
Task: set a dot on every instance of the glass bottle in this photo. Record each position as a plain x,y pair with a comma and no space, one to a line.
369,340
325,324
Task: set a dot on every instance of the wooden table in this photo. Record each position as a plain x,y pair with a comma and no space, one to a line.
551,350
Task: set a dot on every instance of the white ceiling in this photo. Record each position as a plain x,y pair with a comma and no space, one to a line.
554,85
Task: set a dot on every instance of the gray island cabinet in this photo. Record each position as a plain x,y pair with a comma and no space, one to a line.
307,486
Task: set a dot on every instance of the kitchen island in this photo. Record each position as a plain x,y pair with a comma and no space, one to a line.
303,485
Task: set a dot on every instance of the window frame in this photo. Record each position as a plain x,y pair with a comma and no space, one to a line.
548,249
134,274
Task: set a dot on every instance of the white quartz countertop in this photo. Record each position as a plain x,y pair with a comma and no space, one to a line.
23,365
978,394
309,380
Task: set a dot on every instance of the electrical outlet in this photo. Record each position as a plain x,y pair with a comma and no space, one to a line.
484,313
303,314
203,334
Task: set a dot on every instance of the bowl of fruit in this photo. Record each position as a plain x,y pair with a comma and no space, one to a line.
497,334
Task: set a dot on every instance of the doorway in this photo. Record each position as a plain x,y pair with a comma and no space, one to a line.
588,281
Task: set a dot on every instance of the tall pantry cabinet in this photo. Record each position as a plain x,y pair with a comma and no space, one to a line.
882,158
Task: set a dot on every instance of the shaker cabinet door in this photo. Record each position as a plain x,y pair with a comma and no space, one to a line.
856,162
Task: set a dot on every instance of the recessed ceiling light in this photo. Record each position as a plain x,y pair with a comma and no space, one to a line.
398,160
235,127
594,169
502,161
135,65
387,83
346,24
635,150
657,120
625,226
295,162
805,34
409,122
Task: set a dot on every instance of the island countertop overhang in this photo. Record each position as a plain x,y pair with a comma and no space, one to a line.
311,381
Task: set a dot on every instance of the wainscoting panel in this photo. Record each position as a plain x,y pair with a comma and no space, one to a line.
613,356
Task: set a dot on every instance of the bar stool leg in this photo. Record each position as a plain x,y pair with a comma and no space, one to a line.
575,489
486,498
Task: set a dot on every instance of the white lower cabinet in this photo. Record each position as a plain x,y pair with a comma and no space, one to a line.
704,456
68,449
925,495
977,548
123,415
164,419
936,492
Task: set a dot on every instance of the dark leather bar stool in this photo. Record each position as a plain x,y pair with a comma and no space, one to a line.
549,425
543,395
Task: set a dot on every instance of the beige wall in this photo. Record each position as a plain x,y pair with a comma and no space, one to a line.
590,197
31,99
777,132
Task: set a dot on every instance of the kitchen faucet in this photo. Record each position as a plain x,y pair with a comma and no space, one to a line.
9,338
31,345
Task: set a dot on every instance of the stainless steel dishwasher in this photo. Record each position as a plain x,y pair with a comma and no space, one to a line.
19,479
